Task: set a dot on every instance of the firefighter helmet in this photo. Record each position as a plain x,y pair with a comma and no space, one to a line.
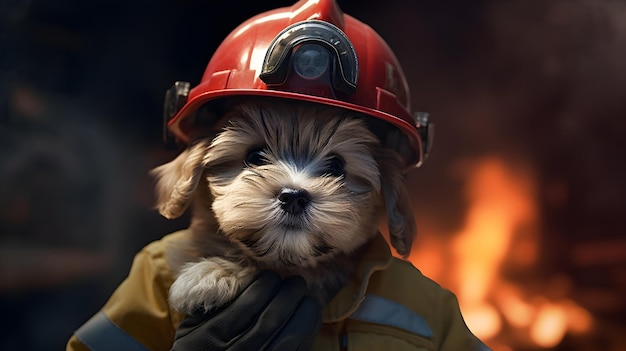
313,52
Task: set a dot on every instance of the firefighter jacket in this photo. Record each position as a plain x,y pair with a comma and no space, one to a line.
387,305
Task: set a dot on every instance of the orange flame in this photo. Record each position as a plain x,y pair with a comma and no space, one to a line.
501,201
500,229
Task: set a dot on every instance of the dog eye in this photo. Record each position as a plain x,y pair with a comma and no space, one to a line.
335,167
256,157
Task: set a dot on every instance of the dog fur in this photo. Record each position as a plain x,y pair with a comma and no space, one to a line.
234,181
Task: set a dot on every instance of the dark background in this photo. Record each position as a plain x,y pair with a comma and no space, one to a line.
81,90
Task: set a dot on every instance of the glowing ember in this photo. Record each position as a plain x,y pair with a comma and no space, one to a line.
518,313
550,326
484,320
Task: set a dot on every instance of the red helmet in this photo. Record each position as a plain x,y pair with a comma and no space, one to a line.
314,52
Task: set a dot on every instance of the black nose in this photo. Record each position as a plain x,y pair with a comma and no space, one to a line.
293,201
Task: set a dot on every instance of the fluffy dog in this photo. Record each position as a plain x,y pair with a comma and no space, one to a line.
293,187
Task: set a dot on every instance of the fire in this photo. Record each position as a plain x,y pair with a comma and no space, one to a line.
500,202
500,230
550,325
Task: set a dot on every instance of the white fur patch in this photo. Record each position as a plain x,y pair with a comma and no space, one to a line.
209,283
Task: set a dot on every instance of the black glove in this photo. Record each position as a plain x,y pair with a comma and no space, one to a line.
270,314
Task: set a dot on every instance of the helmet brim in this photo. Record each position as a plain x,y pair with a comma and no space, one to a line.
412,137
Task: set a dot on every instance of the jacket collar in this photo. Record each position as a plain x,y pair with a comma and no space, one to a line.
377,257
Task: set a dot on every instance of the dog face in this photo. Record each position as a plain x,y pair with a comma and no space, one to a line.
292,184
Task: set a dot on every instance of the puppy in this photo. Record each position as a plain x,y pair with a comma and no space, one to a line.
293,187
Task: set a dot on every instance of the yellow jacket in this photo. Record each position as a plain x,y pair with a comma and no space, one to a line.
388,305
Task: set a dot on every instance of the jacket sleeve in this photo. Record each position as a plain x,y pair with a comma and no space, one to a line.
137,315
439,317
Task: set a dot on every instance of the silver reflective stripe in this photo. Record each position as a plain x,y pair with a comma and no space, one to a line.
101,334
376,309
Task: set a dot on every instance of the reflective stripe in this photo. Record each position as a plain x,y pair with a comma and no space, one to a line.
376,309
101,334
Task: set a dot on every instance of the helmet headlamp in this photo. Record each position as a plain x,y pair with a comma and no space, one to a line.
311,48
310,61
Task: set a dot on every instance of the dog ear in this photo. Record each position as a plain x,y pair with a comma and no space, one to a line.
178,179
400,217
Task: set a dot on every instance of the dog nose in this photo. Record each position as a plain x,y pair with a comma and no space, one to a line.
293,201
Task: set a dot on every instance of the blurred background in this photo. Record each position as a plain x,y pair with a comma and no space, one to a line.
520,205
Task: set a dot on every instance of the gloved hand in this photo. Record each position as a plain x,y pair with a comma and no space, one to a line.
270,314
